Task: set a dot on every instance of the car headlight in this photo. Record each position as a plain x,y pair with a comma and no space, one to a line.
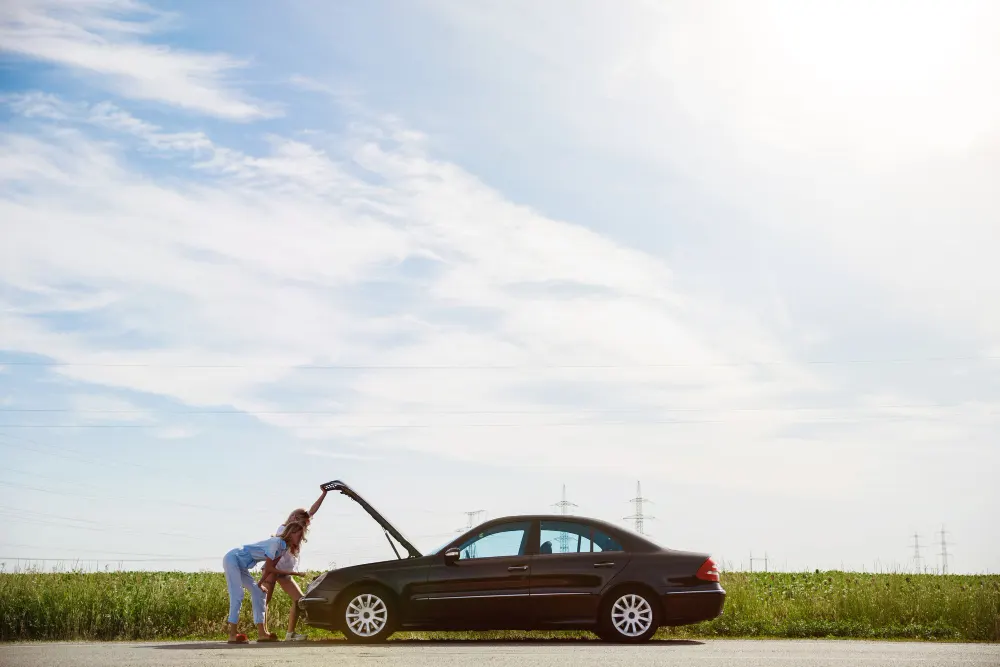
316,582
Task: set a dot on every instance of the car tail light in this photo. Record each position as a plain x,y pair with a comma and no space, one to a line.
708,571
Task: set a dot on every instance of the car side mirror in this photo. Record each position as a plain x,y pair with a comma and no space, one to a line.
451,556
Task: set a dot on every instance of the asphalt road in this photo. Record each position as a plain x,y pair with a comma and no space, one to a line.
714,653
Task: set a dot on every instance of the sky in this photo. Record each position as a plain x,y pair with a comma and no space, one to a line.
460,255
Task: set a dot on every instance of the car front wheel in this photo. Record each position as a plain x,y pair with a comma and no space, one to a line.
368,616
629,616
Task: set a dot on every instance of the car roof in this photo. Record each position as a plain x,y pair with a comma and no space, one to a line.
547,517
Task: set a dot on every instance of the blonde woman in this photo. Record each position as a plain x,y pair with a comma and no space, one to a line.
237,565
289,561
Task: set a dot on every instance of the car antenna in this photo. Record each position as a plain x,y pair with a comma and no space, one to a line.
398,557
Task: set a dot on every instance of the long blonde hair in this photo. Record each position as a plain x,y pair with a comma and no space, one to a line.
290,528
298,516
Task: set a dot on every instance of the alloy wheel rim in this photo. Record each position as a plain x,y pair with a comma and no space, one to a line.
631,615
366,615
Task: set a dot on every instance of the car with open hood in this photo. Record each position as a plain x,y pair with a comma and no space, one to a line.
532,572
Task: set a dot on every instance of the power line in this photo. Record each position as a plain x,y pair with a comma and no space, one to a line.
75,456
76,426
90,487
62,453
101,551
526,366
97,560
4,508
159,501
18,444
42,519
578,424
51,478
155,557
252,412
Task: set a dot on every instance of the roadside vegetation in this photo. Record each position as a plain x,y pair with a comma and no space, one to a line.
178,605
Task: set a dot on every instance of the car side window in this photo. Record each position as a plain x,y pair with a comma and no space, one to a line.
573,537
601,541
507,539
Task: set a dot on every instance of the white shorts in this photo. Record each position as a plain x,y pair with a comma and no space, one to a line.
287,562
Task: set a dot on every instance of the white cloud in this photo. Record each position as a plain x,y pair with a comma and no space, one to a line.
39,105
278,260
258,266
340,93
865,135
106,38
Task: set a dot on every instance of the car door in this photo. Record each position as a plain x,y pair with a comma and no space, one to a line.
487,587
574,563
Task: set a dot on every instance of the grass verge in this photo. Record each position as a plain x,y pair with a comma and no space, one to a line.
168,605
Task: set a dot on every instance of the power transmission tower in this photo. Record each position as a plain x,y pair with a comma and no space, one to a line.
564,506
473,520
916,553
752,559
944,551
639,517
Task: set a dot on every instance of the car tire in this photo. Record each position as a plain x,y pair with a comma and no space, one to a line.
629,616
367,615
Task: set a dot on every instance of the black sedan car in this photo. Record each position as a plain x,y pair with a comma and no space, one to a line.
518,573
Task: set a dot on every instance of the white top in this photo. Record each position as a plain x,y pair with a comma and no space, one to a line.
288,560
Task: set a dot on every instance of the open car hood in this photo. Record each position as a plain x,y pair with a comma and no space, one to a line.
337,485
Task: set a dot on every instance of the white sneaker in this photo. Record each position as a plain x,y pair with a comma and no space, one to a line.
293,637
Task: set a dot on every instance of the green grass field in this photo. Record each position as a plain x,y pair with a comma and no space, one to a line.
172,605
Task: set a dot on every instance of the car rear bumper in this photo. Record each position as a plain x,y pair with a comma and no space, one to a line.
686,607
318,612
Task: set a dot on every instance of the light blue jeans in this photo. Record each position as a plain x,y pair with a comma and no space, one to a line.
237,578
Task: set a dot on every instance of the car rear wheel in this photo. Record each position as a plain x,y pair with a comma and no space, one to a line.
368,615
629,616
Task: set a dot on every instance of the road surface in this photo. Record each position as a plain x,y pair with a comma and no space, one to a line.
710,653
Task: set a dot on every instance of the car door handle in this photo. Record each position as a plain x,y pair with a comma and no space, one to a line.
605,564
517,568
